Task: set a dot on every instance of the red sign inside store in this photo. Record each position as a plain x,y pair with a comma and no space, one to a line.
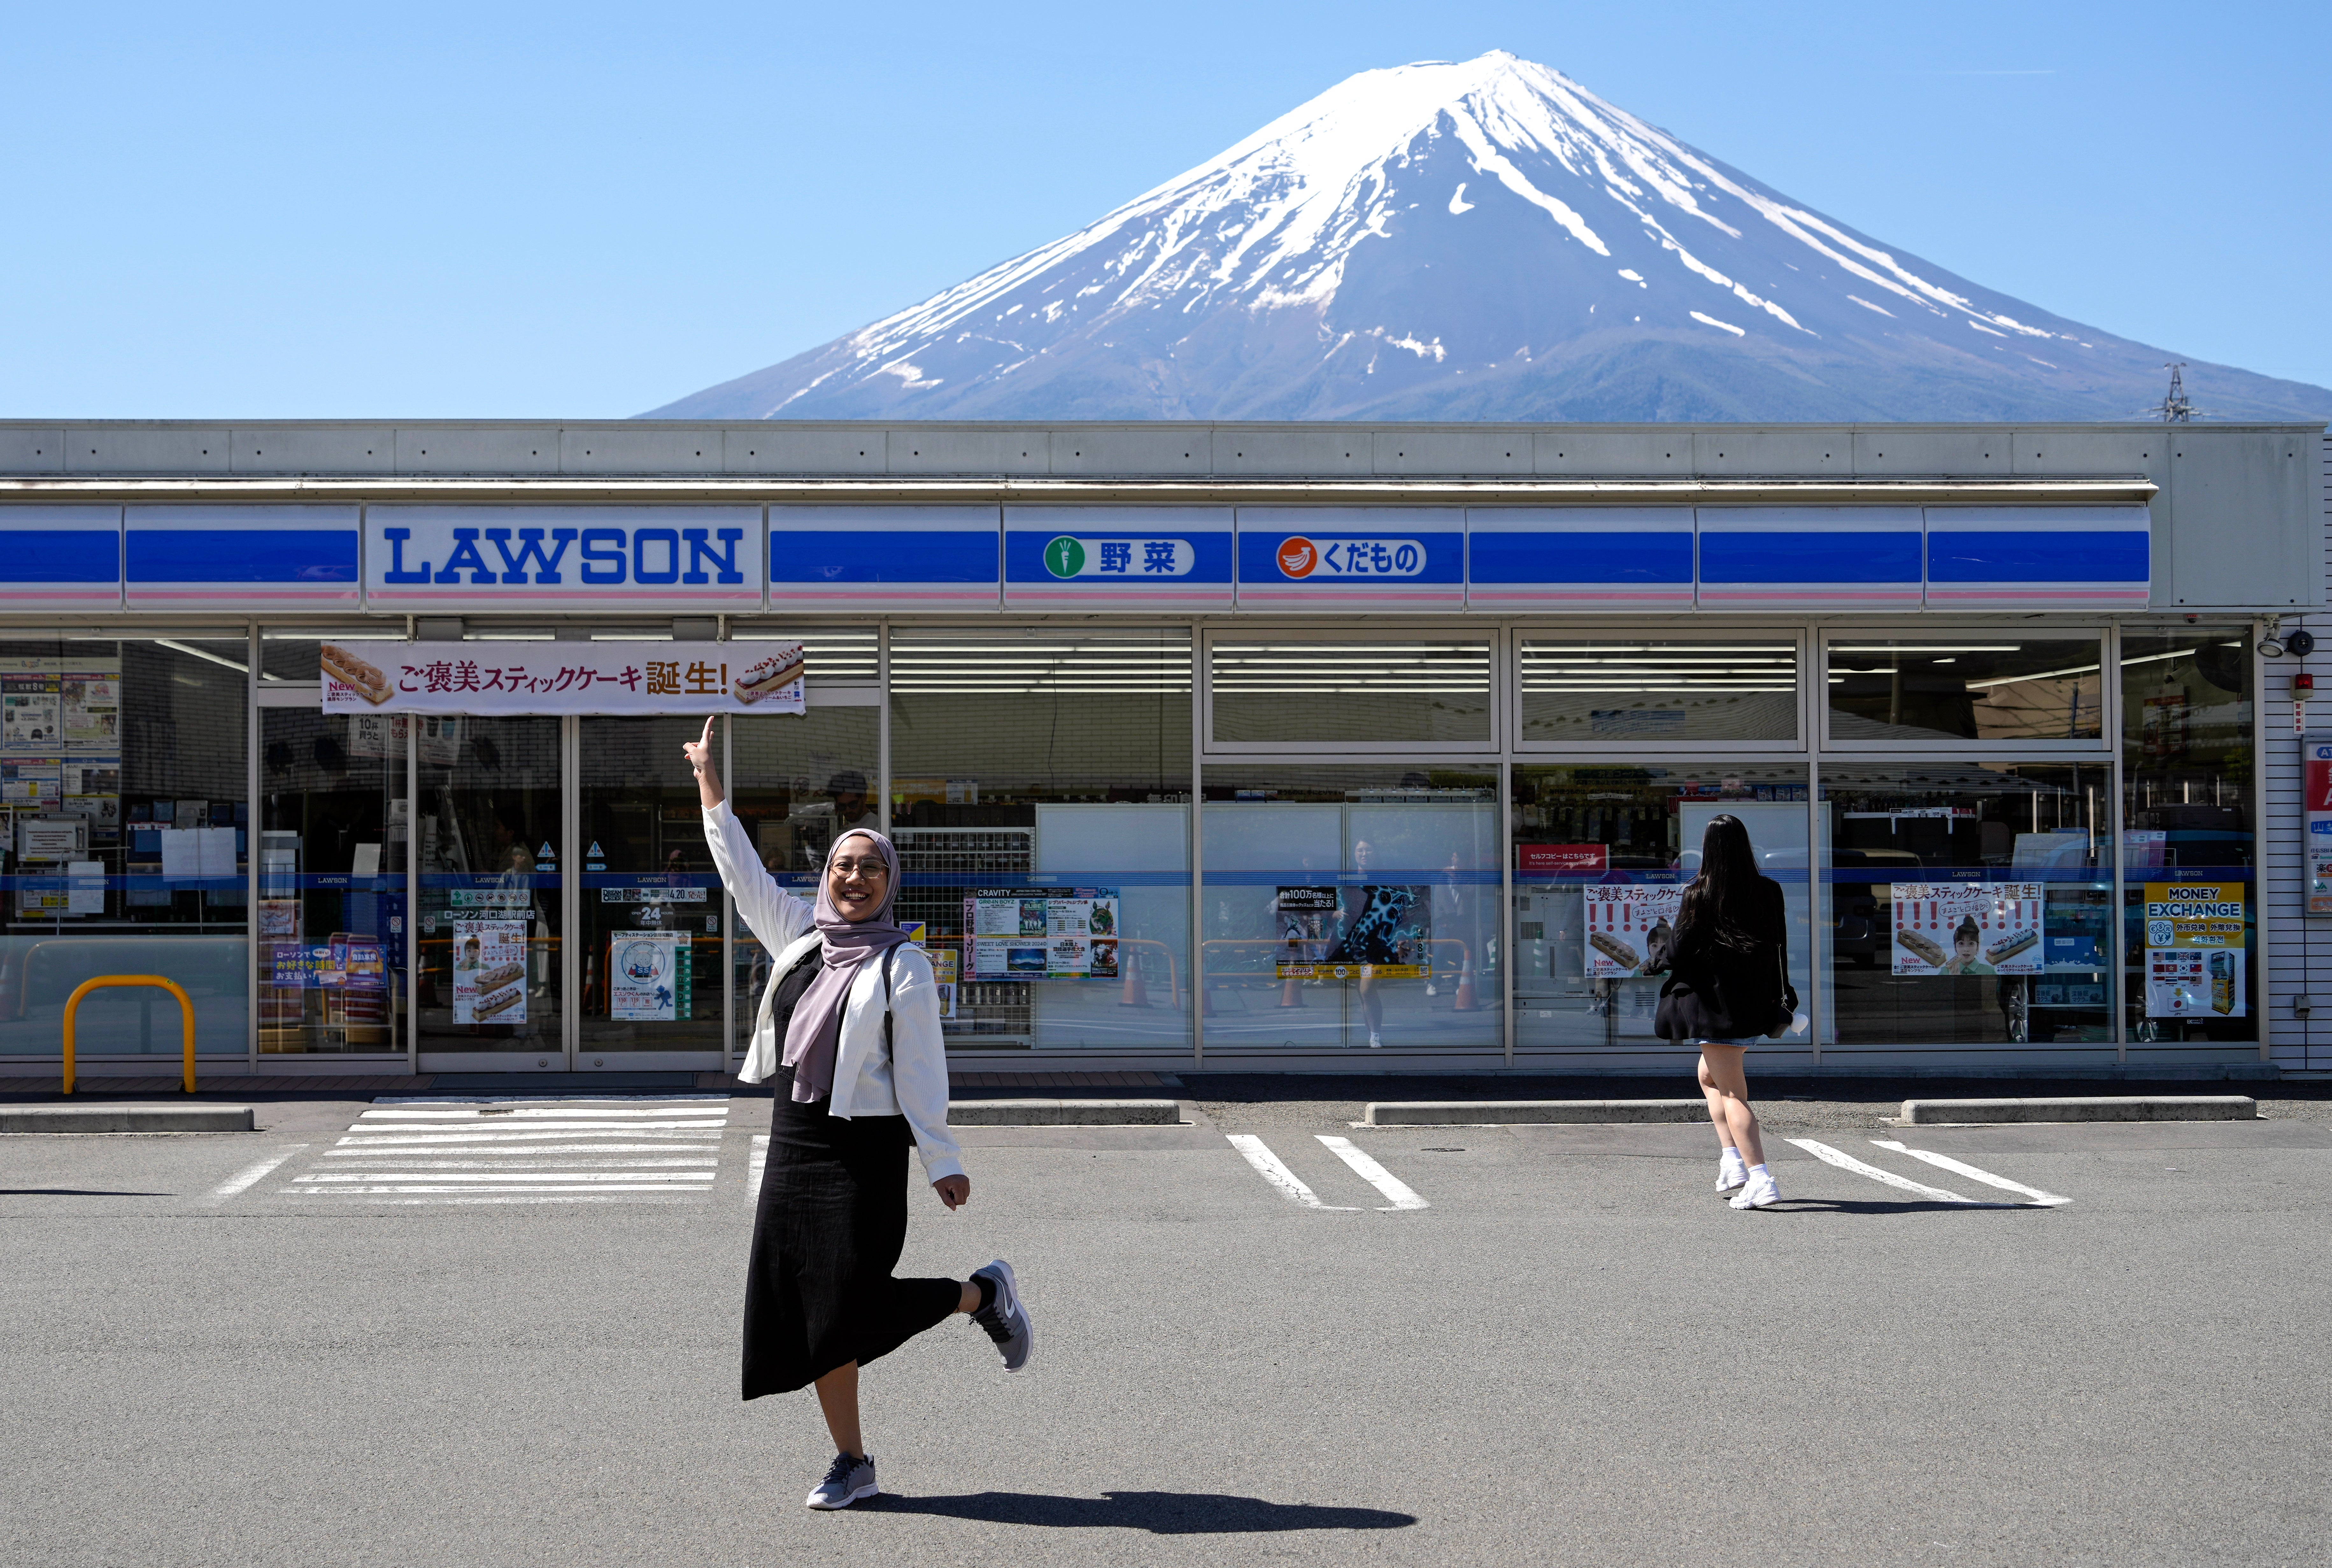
1565,859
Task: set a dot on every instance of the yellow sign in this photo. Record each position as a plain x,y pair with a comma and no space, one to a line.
2191,914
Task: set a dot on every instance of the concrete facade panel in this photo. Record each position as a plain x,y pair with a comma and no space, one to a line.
314,449
639,449
1420,449
31,449
1265,449
1907,450
146,449
2229,498
1750,452
1145,451
936,449
1588,453
774,447
518,449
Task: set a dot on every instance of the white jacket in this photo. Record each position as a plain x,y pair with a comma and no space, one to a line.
910,1078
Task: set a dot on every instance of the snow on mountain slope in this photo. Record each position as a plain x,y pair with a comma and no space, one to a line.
1475,240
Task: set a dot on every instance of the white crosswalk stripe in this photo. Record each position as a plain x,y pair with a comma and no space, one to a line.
551,1153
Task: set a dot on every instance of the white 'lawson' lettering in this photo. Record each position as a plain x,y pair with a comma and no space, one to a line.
650,556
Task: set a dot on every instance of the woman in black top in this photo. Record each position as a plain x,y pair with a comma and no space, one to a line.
1728,987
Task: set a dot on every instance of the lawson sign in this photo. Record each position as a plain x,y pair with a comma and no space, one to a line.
455,558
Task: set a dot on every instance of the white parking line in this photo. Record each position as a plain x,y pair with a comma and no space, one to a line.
1403,1196
251,1175
1845,1162
756,1166
1275,1171
2043,1199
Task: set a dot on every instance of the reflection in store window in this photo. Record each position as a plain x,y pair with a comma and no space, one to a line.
1600,858
1974,687
1295,691
1968,903
1735,689
1351,908
2190,891
1040,802
122,788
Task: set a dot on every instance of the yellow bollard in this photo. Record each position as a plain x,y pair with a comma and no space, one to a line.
186,1014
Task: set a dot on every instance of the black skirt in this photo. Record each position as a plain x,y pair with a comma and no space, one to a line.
832,1221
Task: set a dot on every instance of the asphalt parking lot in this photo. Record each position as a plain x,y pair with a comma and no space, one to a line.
506,1332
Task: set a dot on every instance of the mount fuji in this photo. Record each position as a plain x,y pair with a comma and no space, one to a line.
1483,240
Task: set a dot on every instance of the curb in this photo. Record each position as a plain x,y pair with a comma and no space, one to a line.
2083,1108
1065,1113
126,1119
1525,1113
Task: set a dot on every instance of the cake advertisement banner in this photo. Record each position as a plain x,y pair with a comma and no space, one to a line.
1621,922
1065,933
1962,928
2195,941
536,677
489,971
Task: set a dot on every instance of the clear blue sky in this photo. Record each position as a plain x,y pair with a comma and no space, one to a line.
584,210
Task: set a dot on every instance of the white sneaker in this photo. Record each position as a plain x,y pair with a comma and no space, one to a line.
1761,1192
1731,1172
1376,1042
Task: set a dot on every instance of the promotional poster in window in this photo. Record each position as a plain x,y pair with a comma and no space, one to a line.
1331,932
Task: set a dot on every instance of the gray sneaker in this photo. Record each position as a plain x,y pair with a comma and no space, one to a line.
846,1481
1006,1318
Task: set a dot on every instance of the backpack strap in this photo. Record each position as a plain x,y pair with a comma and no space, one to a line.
888,954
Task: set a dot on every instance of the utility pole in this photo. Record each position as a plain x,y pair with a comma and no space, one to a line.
2174,408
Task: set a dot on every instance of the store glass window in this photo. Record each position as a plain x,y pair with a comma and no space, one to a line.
1967,904
1580,691
123,785
1351,908
1971,686
1041,786
333,820
1293,690
795,780
2190,887
491,953
1601,855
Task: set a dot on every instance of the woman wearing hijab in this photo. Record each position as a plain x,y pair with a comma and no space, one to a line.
848,1036
1727,989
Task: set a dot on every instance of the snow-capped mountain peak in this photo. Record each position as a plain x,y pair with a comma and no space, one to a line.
1484,238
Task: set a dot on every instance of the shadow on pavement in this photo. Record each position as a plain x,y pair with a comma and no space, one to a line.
1160,1513
73,1192
1880,1205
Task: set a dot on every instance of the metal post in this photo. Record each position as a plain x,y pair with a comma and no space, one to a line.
1197,848
1813,695
251,838
568,941
883,735
412,891
730,1047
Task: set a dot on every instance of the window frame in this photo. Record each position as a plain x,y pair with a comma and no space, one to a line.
1492,637
1796,632
2108,691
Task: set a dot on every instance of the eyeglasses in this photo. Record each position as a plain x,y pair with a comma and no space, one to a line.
866,865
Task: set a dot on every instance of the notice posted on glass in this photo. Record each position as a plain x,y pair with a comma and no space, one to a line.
2194,949
1337,933
1621,923
489,971
1962,928
649,978
1068,934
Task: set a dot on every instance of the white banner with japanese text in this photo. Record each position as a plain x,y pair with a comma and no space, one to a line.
549,677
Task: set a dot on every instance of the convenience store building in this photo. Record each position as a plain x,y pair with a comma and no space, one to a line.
1213,746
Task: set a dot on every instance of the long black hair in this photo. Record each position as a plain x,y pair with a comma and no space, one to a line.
1725,900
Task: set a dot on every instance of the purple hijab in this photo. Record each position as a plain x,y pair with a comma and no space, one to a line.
814,1035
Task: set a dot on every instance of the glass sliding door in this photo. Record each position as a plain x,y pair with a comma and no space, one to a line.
1352,907
650,915
490,959
331,882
